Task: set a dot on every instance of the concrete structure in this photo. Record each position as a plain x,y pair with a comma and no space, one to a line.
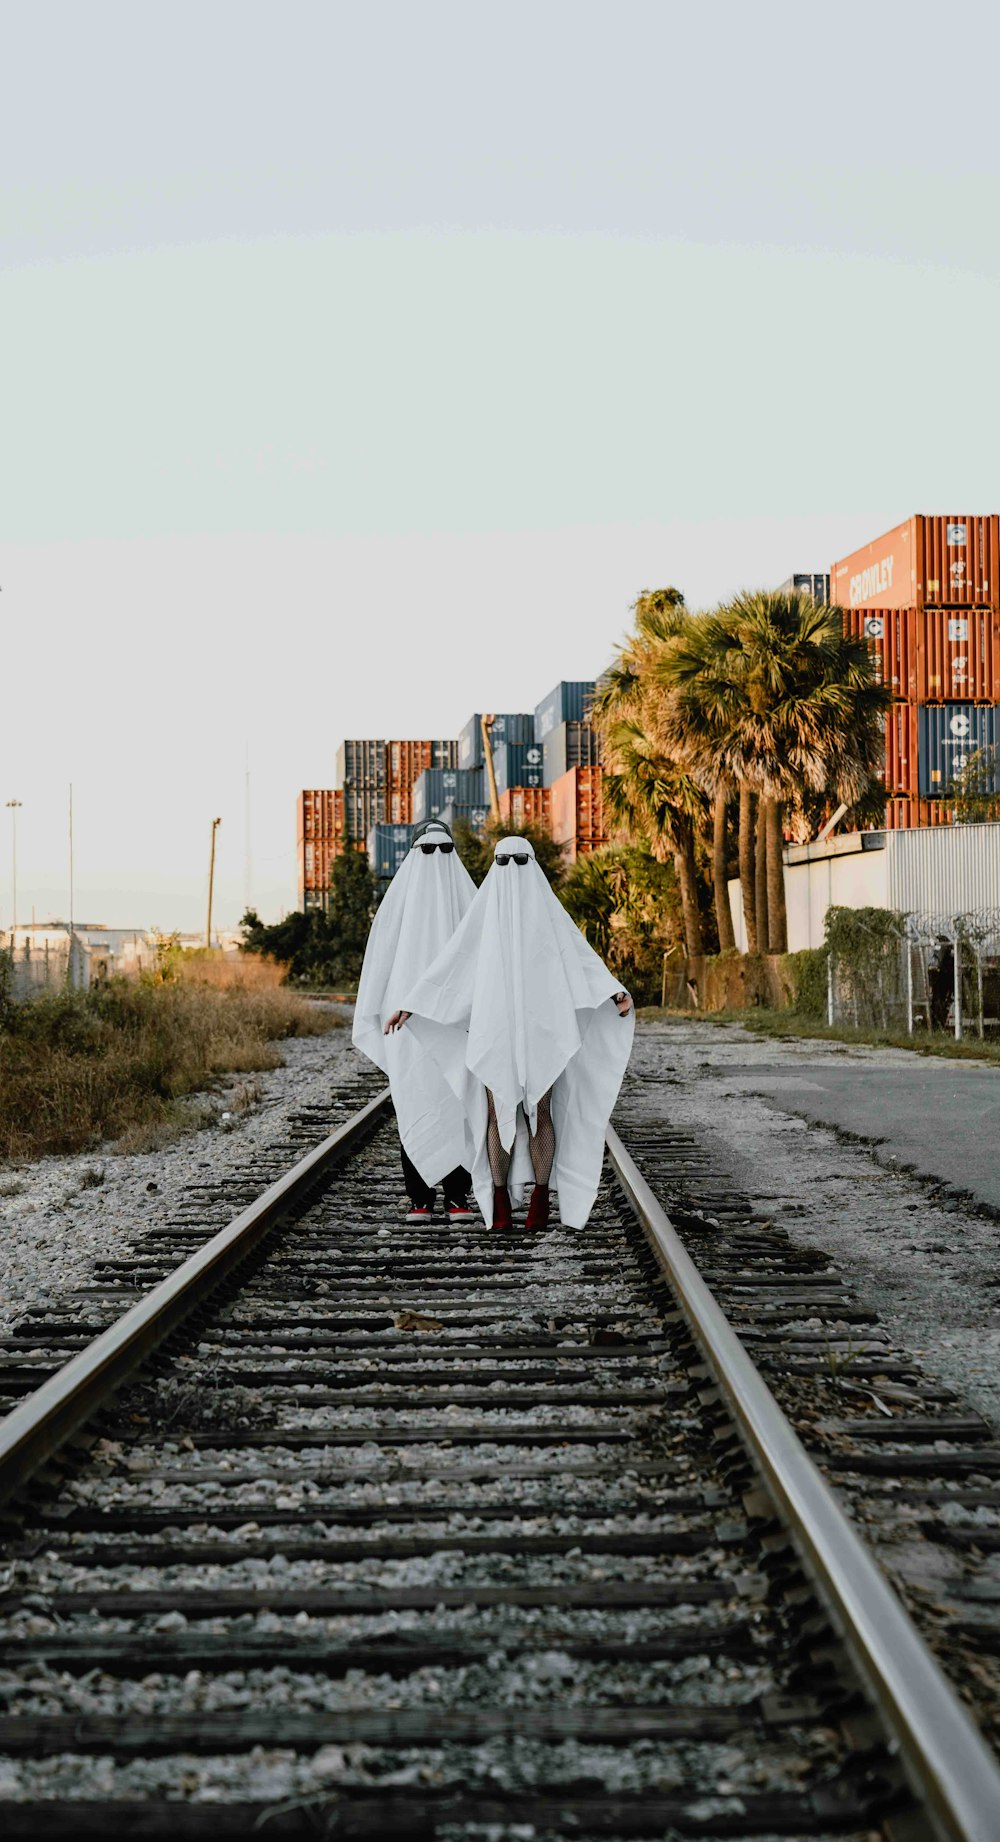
943,871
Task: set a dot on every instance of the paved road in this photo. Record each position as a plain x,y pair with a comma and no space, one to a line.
940,1118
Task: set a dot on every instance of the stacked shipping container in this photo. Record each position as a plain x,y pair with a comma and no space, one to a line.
437,788
521,806
518,727
570,745
577,813
319,840
926,598
388,786
405,762
517,764
387,848
378,777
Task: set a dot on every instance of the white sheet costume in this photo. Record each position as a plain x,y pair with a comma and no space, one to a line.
520,1002
419,913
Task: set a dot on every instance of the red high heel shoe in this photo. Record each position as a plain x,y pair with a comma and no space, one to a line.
502,1217
538,1207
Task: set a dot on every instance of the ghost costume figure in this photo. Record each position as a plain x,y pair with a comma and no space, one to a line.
519,1001
426,900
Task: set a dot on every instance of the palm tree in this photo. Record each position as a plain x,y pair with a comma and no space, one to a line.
772,690
649,793
702,697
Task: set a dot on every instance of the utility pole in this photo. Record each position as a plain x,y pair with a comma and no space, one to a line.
13,806
211,882
486,723
71,965
247,849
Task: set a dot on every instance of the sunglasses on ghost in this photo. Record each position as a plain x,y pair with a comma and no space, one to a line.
444,847
513,857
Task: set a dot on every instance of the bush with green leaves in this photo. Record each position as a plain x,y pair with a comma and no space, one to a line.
628,905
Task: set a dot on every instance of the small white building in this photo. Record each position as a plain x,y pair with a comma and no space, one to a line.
935,870
44,954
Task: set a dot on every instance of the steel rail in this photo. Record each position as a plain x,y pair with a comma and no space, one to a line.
46,1419
948,1764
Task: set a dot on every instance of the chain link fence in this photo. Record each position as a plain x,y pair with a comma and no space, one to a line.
919,972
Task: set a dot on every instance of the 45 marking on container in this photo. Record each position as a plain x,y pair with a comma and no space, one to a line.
955,534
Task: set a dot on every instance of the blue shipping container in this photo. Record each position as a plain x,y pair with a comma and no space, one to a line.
517,764
567,703
387,848
948,735
570,745
817,586
439,787
473,816
512,726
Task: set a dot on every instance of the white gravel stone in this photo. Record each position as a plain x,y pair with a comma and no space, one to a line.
69,1212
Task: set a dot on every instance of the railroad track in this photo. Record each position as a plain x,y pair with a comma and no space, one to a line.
354,1529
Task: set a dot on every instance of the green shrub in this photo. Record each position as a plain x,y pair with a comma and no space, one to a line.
808,971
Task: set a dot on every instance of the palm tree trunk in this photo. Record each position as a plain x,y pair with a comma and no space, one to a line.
723,912
777,928
687,878
746,868
760,877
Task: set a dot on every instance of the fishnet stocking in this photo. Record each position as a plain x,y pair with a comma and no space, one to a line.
498,1157
541,1144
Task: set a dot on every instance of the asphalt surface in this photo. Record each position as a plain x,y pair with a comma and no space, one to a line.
938,1118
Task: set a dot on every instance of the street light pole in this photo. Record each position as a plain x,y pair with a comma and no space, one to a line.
211,882
13,807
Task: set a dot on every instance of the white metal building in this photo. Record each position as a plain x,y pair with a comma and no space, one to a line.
937,870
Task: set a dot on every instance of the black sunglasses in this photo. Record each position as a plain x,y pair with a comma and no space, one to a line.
428,848
514,857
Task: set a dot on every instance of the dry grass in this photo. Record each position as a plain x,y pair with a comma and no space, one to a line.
231,971
115,1063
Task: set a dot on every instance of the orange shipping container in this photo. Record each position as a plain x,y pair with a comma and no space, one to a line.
577,808
892,641
940,655
901,749
958,657
526,806
946,561
908,814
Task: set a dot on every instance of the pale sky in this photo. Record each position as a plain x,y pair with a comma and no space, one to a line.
359,366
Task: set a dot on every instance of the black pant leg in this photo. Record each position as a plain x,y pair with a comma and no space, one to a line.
456,1186
420,1193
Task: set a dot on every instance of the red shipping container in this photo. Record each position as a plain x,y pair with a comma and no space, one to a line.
577,807
900,773
526,806
319,841
942,561
892,641
908,814
958,656
939,655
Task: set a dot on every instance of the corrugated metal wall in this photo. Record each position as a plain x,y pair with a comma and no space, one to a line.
954,869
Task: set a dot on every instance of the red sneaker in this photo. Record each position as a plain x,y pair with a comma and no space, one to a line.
460,1212
538,1207
414,1214
502,1217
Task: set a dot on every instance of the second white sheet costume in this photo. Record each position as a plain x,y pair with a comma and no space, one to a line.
419,912
518,1002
